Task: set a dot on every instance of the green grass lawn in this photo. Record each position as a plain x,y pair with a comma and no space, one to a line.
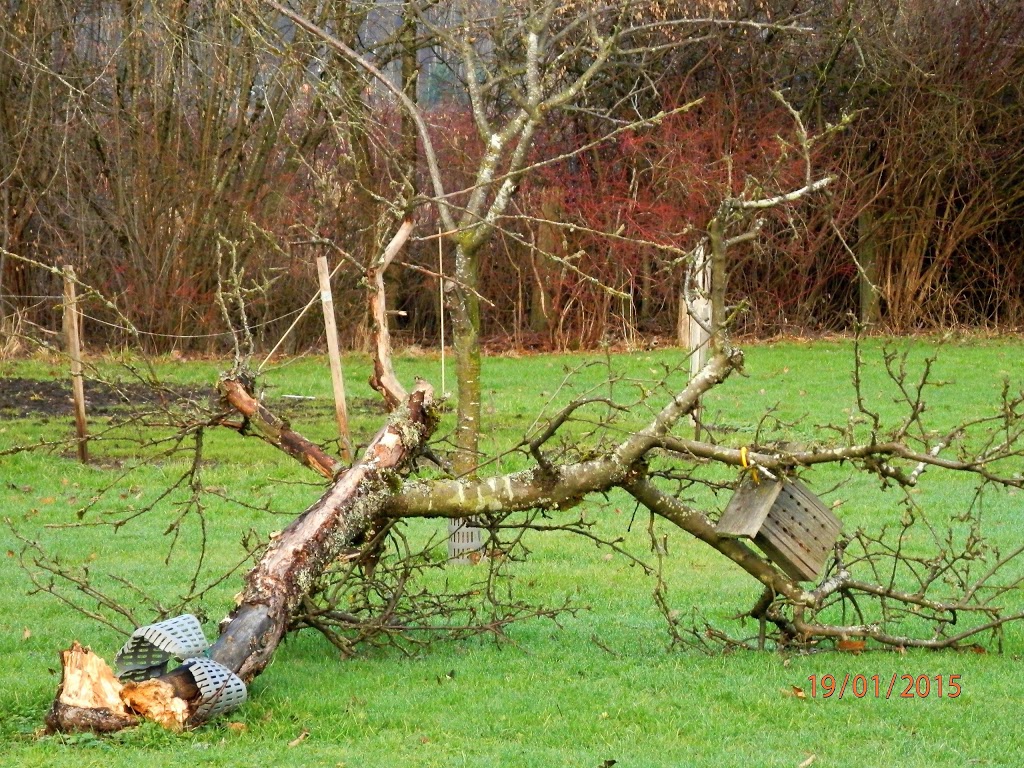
602,686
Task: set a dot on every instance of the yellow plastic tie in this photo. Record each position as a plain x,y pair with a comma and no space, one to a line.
747,465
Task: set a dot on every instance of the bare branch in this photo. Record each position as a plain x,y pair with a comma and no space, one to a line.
407,104
788,197
384,379
273,430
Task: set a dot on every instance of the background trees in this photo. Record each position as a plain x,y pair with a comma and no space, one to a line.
139,140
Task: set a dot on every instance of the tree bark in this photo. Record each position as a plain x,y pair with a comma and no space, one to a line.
466,339
559,487
384,379
719,276
695,311
297,557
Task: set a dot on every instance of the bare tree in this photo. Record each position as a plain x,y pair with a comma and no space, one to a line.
521,63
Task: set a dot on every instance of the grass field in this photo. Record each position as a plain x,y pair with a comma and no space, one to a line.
601,687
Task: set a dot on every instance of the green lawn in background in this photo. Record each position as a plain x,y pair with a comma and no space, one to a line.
600,687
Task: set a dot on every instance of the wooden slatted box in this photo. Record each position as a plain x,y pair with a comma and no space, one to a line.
786,521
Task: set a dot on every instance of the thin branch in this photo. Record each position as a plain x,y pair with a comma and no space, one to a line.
407,104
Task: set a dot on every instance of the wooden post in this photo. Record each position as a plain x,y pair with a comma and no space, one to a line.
698,340
71,332
340,409
693,328
440,293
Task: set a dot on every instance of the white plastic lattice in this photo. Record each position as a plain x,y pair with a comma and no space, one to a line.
464,539
151,647
220,689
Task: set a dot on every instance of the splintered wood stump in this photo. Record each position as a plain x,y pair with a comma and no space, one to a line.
89,696
157,700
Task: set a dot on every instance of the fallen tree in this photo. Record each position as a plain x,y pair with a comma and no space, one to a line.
937,595
276,587
278,591
90,697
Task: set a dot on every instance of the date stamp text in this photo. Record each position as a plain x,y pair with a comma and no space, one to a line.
877,686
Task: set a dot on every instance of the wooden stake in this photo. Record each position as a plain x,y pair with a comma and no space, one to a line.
71,332
699,339
440,272
340,409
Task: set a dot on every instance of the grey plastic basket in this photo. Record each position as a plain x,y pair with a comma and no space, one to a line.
151,647
220,689
464,539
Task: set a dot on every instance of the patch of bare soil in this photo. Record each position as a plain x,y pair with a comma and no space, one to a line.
22,398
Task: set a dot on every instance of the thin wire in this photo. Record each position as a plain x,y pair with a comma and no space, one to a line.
187,336
299,312
153,333
291,327
26,296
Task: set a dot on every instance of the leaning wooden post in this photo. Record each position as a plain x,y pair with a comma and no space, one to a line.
340,408
697,337
71,332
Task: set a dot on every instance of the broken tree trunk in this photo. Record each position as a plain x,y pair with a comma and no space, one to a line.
384,379
89,696
306,547
275,587
274,430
